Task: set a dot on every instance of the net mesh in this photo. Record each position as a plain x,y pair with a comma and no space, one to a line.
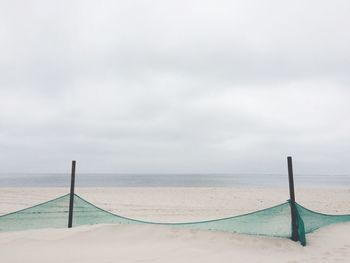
274,221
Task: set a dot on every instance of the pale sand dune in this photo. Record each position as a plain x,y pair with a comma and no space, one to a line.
147,243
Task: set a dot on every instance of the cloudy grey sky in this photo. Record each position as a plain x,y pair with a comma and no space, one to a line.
175,86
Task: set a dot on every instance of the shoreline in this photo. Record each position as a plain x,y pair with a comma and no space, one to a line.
176,180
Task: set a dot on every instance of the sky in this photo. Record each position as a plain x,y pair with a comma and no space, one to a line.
175,86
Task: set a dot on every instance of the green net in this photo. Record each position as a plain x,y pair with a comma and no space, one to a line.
51,214
309,221
274,221
300,227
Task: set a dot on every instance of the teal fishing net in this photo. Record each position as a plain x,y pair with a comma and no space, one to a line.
274,221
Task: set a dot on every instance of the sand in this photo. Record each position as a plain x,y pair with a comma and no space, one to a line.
148,243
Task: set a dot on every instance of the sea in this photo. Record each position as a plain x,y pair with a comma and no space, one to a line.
171,180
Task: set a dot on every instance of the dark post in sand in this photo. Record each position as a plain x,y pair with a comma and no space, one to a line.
71,197
292,200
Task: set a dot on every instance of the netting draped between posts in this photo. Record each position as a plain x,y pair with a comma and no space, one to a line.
274,221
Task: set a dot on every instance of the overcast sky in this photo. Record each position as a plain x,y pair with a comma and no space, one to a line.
175,86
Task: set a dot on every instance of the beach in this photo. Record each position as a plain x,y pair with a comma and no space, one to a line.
151,243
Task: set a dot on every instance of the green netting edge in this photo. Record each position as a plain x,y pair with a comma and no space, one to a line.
329,215
27,208
178,223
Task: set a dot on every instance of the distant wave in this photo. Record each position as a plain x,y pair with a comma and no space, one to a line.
171,180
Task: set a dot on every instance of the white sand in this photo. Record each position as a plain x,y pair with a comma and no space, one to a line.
148,243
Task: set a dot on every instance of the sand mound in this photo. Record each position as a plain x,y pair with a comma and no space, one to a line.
127,243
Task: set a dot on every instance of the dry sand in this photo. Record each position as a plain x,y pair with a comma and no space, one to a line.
149,243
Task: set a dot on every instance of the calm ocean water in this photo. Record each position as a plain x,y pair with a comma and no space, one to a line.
172,180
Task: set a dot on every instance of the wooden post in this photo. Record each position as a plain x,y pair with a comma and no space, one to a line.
71,199
292,200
